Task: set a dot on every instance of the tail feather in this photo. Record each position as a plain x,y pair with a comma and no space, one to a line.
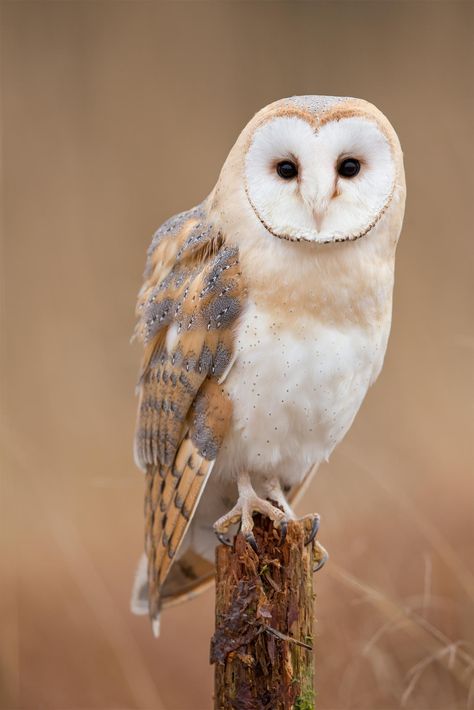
139,599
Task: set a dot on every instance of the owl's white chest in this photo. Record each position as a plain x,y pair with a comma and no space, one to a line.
296,388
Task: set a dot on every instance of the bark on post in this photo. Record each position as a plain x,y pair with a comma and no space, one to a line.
263,644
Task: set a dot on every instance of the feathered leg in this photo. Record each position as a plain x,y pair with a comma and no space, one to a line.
273,491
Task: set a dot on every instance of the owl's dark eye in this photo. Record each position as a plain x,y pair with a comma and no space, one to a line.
286,169
349,167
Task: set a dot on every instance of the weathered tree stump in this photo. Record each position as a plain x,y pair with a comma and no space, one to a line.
263,644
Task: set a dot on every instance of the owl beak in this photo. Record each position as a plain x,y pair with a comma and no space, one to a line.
318,216
317,197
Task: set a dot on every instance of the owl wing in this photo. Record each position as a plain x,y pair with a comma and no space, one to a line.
191,298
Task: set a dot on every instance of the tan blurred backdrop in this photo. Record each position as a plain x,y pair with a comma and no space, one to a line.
116,115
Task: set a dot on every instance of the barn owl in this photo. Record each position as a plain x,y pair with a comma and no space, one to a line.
264,316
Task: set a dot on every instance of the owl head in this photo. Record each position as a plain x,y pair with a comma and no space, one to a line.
316,169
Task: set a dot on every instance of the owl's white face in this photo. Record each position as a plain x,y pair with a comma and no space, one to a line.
322,185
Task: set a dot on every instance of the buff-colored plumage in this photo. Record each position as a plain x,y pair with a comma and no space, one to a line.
193,292
264,317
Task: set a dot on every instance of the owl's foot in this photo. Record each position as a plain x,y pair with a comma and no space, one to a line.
274,492
247,504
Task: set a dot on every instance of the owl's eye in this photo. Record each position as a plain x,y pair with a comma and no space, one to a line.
349,167
286,169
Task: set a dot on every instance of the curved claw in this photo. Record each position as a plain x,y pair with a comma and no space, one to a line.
250,538
223,540
322,561
283,531
313,531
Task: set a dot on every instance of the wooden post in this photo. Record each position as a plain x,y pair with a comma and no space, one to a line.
263,644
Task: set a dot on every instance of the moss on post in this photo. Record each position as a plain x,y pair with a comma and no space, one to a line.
263,644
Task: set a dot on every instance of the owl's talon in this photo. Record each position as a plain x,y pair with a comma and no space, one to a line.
283,531
323,558
314,530
250,539
223,540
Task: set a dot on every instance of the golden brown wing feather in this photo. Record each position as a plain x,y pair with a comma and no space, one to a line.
187,308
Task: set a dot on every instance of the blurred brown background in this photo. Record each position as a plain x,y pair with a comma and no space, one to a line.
116,115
